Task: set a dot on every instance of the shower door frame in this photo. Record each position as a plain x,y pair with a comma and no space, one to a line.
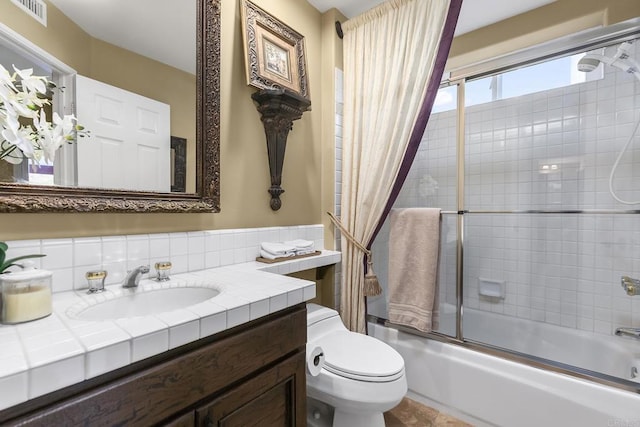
585,40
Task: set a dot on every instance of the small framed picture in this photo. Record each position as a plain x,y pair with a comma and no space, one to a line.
274,53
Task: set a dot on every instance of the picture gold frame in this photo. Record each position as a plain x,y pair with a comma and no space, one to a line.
275,56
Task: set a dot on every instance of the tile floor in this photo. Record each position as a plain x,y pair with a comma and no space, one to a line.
410,413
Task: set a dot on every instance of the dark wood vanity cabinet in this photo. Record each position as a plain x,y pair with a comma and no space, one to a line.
252,375
266,400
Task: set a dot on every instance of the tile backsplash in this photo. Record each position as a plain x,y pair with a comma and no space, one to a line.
70,259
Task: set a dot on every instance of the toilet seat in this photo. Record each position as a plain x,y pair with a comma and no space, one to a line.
360,357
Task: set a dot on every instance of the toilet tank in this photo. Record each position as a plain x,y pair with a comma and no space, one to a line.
322,320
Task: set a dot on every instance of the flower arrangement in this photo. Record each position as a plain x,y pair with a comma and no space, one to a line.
6,263
23,95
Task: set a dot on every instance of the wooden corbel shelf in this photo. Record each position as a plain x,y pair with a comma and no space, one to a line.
278,109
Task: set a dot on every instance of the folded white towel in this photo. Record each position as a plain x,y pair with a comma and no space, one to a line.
305,252
275,248
301,245
269,255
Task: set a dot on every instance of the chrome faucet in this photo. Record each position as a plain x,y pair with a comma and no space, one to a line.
133,277
628,332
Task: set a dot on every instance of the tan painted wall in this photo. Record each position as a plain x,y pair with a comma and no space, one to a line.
307,176
244,171
561,18
68,42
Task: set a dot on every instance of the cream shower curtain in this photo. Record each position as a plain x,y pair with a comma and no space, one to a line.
394,57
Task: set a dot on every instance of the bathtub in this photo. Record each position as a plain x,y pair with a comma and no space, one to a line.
490,390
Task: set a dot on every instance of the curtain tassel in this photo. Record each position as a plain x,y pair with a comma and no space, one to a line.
371,285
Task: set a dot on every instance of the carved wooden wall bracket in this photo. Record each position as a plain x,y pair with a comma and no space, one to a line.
278,109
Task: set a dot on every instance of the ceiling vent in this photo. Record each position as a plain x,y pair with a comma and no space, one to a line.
36,8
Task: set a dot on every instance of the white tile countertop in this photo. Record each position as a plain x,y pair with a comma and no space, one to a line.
57,351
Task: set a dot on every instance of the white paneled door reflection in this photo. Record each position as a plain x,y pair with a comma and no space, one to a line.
130,143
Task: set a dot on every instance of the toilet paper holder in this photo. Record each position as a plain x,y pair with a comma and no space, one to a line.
315,359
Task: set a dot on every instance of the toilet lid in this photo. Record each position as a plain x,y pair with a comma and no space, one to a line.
360,357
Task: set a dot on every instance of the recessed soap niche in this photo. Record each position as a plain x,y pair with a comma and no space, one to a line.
491,289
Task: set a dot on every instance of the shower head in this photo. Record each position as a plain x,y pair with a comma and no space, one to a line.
589,63
622,60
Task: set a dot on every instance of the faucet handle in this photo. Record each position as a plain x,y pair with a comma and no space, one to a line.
163,268
631,286
628,332
95,279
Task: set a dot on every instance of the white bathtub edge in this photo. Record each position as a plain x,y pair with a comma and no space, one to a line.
502,392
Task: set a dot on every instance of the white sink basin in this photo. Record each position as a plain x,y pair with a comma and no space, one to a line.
140,302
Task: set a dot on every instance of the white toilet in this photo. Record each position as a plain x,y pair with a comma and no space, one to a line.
362,377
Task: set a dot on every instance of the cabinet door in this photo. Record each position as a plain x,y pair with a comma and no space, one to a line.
276,397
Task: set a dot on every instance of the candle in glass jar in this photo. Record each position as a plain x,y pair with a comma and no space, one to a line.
26,295
24,304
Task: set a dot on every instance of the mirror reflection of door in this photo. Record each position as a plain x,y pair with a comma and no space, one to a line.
130,143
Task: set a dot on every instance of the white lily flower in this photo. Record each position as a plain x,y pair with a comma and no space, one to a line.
21,96
10,153
22,108
5,78
31,83
45,141
6,93
19,136
66,124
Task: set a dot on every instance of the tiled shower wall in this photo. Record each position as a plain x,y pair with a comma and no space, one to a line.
431,182
551,151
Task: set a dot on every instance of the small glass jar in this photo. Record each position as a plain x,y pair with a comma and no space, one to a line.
26,295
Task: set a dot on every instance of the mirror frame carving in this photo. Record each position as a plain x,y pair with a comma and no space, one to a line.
18,198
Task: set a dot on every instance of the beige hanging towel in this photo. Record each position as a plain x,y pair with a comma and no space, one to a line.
414,246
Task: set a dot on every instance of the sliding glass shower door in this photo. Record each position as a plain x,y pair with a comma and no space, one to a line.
537,171
432,182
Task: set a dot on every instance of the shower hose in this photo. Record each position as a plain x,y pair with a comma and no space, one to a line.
616,163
